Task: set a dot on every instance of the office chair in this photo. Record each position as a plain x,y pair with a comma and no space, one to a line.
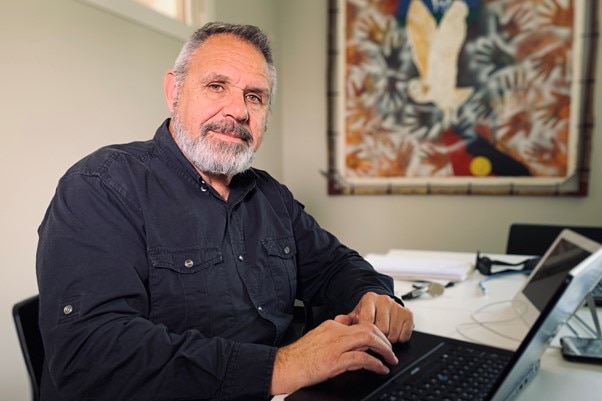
535,239
25,314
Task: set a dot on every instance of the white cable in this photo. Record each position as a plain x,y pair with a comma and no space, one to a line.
485,324
476,322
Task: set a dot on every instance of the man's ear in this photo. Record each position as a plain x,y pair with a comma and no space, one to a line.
169,89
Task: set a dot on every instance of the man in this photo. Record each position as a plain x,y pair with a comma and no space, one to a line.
168,269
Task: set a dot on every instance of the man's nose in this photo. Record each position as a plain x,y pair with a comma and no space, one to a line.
236,106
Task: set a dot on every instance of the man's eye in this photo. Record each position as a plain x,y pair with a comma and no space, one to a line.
254,98
216,87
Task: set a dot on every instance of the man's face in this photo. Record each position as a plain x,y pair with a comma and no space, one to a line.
220,112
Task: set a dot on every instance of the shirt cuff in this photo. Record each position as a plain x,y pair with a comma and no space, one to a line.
249,373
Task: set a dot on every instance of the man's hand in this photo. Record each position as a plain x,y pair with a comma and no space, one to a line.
394,320
329,350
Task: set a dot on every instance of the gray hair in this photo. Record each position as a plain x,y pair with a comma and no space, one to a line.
248,33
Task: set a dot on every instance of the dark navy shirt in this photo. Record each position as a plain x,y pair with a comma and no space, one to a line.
152,287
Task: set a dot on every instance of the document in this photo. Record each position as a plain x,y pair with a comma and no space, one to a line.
402,267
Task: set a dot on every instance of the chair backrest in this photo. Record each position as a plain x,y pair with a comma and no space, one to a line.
25,314
535,239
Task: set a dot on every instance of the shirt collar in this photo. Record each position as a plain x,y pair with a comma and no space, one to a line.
172,151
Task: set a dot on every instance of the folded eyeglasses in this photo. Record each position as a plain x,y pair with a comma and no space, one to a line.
485,265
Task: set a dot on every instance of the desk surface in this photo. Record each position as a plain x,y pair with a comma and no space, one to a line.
452,313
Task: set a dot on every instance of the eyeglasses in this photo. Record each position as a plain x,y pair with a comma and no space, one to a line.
485,265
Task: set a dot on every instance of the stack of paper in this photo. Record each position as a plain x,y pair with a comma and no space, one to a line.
404,268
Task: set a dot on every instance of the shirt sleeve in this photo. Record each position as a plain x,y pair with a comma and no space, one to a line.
94,311
330,273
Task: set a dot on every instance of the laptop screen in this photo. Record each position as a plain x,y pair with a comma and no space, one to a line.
568,250
565,256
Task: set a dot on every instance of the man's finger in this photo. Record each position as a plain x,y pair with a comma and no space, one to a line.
344,319
369,337
365,310
385,318
355,360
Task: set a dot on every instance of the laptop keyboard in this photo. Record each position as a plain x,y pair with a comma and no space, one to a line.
458,373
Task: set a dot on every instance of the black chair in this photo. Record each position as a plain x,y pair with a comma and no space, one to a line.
535,239
25,314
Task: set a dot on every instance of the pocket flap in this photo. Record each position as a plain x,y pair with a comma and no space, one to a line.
281,247
185,260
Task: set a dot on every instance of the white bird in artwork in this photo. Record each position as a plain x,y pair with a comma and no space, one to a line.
435,51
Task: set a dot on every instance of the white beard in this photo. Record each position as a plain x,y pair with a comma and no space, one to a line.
213,155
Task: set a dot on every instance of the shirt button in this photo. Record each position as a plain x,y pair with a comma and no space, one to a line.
67,309
260,308
287,250
241,258
188,263
204,188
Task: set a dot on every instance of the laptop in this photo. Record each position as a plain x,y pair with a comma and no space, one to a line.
568,250
435,367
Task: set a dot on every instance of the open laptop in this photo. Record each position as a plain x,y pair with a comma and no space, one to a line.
568,250
435,367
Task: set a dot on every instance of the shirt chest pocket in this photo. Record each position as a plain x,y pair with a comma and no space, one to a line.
282,263
186,260
183,282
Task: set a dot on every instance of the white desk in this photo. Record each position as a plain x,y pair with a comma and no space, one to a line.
449,315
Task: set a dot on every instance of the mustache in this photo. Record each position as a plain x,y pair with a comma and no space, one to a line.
228,127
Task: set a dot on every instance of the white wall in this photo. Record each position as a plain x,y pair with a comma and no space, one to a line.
75,78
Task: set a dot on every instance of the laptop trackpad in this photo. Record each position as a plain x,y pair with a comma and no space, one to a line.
356,385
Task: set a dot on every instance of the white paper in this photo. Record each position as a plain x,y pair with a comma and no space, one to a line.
405,268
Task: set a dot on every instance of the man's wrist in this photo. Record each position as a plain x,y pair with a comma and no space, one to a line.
285,379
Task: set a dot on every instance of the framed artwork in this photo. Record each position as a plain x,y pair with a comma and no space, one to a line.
460,96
